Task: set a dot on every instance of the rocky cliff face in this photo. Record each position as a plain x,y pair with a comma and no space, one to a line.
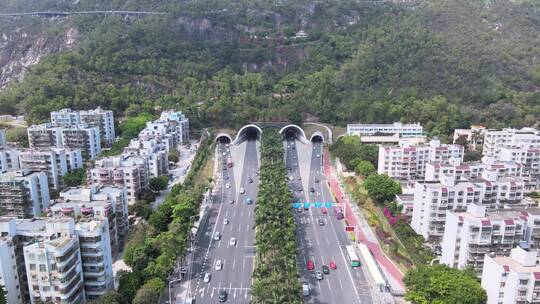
24,42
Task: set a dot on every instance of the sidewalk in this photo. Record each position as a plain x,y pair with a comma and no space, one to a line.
364,234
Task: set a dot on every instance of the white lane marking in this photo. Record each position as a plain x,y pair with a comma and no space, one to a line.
247,227
340,284
243,264
234,263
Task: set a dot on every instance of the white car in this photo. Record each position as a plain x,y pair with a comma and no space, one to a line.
217,236
219,265
226,221
227,186
291,178
242,190
318,155
232,242
206,277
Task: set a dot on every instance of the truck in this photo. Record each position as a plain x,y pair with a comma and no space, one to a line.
229,162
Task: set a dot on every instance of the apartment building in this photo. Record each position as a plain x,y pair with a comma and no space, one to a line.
464,171
86,139
393,139
9,277
3,138
513,279
153,151
9,159
432,199
494,140
408,163
178,123
403,130
23,193
98,118
472,234
44,136
62,259
96,256
528,156
122,172
91,195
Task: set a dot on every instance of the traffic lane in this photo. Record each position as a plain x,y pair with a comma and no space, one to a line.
236,273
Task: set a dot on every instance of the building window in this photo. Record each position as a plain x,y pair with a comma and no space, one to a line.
32,266
42,268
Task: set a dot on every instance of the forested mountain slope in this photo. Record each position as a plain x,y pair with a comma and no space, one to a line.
444,63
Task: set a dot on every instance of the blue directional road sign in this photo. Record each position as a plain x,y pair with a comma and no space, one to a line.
306,205
318,205
328,205
297,205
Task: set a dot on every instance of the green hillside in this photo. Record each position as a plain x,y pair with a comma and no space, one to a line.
443,63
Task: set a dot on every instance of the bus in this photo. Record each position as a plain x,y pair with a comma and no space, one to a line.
353,257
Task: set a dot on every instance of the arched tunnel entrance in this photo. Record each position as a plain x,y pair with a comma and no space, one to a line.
248,132
293,132
223,138
317,137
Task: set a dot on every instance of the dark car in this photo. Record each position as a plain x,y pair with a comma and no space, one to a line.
316,180
312,189
222,296
250,180
325,269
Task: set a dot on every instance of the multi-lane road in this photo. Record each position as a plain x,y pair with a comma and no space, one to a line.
232,217
318,243
324,242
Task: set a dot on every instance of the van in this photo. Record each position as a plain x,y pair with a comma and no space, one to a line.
305,289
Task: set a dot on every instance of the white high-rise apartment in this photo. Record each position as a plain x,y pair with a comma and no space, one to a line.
153,151
513,279
404,130
9,277
119,172
23,193
86,139
470,235
464,171
494,140
178,123
9,159
3,138
99,118
96,256
409,162
433,199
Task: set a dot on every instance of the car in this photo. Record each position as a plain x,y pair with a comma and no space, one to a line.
293,147
231,202
217,236
222,296
306,206
219,265
242,190
299,178
226,221
232,242
318,155
207,278
325,269
310,265
324,210
224,168
305,289
226,177
250,180
317,180
339,216
189,301
249,201
311,189
318,275
321,222
291,178
298,209
227,186
288,146
332,265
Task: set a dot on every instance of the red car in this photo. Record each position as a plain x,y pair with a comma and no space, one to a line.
332,265
310,265
324,210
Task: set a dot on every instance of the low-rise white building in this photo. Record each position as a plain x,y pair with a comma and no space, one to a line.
494,140
474,136
513,279
404,130
408,163
23,193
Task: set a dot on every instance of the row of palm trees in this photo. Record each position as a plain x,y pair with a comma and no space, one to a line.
275,278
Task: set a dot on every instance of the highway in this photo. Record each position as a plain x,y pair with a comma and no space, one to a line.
321,243
237,260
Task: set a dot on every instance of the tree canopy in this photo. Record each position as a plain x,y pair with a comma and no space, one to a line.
441,284
382,188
